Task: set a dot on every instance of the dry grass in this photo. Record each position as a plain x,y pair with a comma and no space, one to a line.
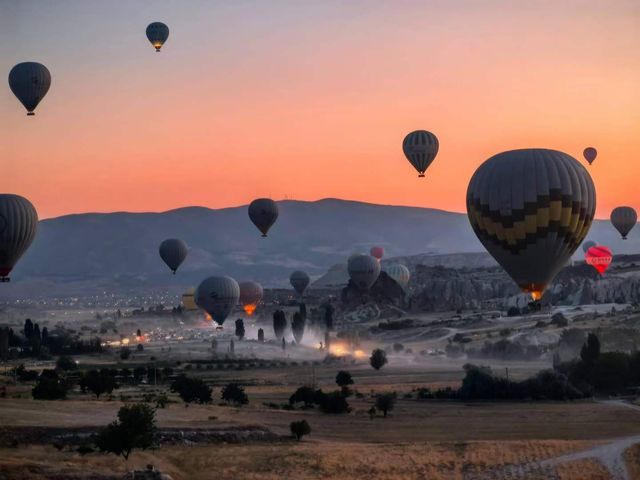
632,457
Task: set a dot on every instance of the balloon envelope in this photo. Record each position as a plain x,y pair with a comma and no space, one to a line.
299,281
590,154
157,33
173,251
217,296
531,209
420,147
599,257
364,271
399,273
377,252
587,245
250,295
624,219
263,212
18,226
30,82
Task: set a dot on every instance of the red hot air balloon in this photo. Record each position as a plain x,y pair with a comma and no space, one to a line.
590,154
599,257
377,252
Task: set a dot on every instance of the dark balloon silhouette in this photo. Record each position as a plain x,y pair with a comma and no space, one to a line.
624,219
299,281
18,226
217,296
173,251
263,212
157,33
420,147
30,82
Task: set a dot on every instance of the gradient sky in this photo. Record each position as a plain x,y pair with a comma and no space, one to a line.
311,99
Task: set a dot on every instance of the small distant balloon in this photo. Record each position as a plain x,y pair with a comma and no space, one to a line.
587,245
18,226
157,33
250,295
217,296
364,271
263,212
399,273
420,147
590,154
624,219
599,257
173,251
299,281
377,252
29,82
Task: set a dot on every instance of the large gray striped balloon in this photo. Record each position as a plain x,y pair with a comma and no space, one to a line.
420,148
30,82
18,226
299,281
399,273
364,271
217,296
624,219
173,251
157,33
263,212
531,209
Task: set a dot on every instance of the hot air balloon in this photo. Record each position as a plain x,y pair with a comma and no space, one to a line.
188,301
263,212
299,281
599,257
624,219
364,271
250,295
217,296
399,273
420,148
173,251
157,33
590,154
531,209
587,245
30,82
18,226
377,252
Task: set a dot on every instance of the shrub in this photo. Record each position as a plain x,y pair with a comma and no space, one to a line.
299,429
343,378
66,363
386,402
49,387
304,394
234,393
333,402
134,428
125,353
191,390
97,382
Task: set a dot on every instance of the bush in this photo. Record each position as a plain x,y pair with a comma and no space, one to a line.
191,390
125,353
386,402
49,387
378,359
513,312
398,347
134,428
234,393
66,363
333,402
299,429
559,320
25,375
306,395
97,382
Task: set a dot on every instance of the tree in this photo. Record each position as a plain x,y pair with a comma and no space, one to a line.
97,382
591,350
138,333
299,429
139,348
297,327
240,329
134,428
28,328
279,324
191,390
45,336
303,310
66,363
36,332
378,358
260,335
49,387
234,393
328,317
344,379
125,353
304,394
386,402
333,402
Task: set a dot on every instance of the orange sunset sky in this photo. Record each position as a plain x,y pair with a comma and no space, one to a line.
311,99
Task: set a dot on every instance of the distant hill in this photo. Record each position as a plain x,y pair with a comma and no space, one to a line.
119,250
